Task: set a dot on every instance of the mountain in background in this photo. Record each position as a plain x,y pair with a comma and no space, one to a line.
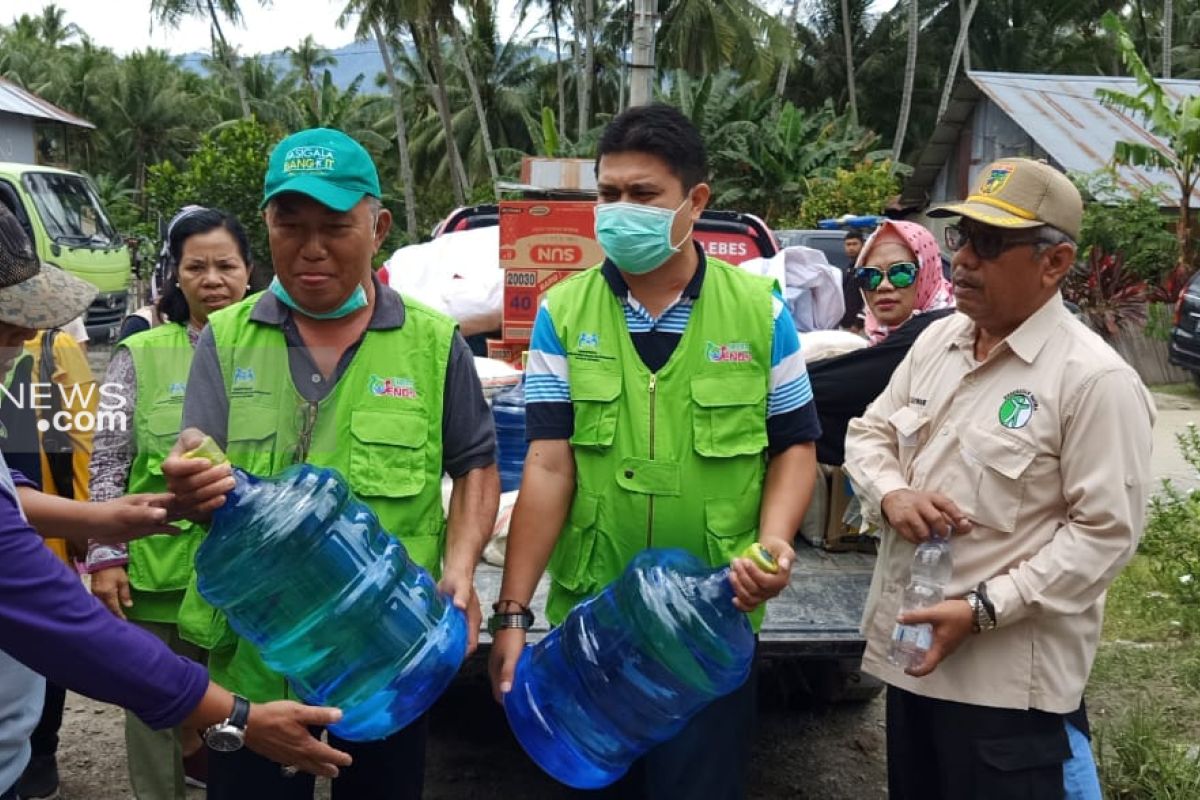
352,59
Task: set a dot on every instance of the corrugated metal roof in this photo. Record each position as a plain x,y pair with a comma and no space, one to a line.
15,100
1062,114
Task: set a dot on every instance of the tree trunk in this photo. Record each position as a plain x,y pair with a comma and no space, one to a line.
910,75
560,74
406,171
230,60
437,82
966,55
781,81
964,27
589,64
460,45
641,79
850,86
577,20
1168,14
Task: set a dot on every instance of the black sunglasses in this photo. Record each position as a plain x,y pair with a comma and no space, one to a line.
988,242
900,275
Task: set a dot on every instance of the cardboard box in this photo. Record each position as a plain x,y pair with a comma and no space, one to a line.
559,173
822,525
511,353
541,243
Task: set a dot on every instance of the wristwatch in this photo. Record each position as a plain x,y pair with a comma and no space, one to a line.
230,735
519,619
982,620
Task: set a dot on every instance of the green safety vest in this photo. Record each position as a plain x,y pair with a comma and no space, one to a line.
160,567
675,458
380,427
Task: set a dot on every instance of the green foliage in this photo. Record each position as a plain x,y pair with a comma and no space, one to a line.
1140,760
226,172
1134,228
765,164
865,188
1171,541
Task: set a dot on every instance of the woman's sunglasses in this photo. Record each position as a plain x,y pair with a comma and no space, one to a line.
901,276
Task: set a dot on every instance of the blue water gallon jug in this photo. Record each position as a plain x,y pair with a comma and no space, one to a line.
508,412
628,668
303,570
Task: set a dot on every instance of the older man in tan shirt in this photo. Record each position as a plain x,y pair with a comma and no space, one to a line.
1025,433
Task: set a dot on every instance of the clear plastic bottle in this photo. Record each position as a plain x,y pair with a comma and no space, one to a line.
304,571
508,413
628,668
931,570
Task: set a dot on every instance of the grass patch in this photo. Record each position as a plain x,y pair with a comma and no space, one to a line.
1187,389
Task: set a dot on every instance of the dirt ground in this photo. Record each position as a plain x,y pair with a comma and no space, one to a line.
833,753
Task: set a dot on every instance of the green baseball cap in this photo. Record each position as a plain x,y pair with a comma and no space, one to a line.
324,164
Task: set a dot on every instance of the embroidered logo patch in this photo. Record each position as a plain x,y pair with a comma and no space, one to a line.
178,389
243,377
1017,409
393,387
589,341
309,158
730,353
998,176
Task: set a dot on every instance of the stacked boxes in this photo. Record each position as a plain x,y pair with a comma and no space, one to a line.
541,243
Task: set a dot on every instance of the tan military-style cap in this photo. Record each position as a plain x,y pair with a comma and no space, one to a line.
1021,193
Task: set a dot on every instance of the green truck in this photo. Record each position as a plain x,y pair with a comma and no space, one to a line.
62,214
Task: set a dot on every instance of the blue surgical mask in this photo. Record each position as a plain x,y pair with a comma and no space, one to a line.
637,237
356,300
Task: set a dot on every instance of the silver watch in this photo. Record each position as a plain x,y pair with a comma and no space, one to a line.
230,735
982,621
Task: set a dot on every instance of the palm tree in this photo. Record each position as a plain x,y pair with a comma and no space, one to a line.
910,76
482,14
371,24
172,12
850,87
53,27
959,46
1168,20
307,58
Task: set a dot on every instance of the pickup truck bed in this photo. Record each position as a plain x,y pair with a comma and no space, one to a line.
816,617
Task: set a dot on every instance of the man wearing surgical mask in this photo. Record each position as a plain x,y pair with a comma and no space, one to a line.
667,406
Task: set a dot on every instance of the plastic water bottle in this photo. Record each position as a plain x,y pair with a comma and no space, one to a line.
628,668
931,568
304,571
508,412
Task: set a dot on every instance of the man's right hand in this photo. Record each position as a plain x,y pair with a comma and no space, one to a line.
918,515
111,587
507,646
198,485
281,732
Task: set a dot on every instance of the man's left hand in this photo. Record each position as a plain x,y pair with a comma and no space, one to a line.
951,620
461,589
753,586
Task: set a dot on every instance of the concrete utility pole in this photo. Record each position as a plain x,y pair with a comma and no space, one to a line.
641,77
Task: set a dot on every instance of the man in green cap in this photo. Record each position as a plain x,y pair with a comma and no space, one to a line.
331,368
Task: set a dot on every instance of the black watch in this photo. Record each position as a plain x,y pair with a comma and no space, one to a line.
230,735
522,619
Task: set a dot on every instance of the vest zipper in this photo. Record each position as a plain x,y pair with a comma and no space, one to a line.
650,501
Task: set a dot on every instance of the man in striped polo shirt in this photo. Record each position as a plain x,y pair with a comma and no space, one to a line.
667,406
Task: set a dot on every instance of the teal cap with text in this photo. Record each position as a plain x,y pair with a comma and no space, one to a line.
324,164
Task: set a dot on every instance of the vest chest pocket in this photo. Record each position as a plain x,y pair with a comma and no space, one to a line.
729,415
731,524
999,465
571,561
252,438
387,453
595,399
159,435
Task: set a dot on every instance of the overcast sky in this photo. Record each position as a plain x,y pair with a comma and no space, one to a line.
124,25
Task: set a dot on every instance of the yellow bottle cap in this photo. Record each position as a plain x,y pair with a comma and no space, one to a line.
762,557
208,449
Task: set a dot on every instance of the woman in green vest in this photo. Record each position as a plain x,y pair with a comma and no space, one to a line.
145,582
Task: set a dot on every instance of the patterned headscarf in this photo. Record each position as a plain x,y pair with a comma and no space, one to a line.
933,290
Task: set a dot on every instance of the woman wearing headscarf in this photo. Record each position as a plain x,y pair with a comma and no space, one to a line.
899,273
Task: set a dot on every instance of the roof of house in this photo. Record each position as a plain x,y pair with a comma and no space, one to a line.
15,100
1059,112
